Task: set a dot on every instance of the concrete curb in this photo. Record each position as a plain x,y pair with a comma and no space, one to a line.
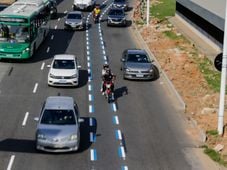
142,44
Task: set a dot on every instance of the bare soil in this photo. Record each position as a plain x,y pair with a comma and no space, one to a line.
7,1
178,58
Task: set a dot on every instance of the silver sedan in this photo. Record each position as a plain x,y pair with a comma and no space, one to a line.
58,128
136,64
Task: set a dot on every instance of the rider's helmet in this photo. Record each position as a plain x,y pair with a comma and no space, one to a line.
97,6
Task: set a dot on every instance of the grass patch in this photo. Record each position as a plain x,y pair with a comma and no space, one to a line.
212,132
171,35
215,156
212,76
163,9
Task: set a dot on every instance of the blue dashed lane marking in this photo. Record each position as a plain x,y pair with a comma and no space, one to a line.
93,155
115,120
92,137
121,152
124,168
118,135
91,109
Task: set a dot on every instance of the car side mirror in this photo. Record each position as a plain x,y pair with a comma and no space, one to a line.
152,61
78,66
36,119
48,66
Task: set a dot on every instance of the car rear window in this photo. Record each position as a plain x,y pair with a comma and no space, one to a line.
74,16
64,64
58,117
116,12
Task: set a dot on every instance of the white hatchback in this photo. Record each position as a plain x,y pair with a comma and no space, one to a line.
64,71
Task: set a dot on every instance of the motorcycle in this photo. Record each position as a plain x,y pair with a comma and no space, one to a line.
109,94
96,18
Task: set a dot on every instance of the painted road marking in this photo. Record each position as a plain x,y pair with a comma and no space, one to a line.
35,88
25,118
121,152
91,109
114,107
59,19
90,97
42,66
89,87
55,27
93,155
65,12
92,137
88,64
48,49
91,122
118,135
52,37
124,167
11,162
115,120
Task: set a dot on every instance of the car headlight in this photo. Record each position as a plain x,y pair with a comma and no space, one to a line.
74,76
52,76
41,136
73,137
151,70
26,50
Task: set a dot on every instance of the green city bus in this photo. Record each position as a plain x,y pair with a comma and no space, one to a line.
23,27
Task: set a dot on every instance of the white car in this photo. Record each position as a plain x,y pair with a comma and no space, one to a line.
64,71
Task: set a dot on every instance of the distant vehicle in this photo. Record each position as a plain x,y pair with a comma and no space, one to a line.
58,128
116,17
122,4
136,64
23,27
64,71
53,9
75,20
84,4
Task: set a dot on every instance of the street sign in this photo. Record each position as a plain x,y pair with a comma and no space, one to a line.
218,62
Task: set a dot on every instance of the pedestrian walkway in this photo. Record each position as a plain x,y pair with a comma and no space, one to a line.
202,43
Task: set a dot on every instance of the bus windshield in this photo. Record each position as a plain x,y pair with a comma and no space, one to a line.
14,33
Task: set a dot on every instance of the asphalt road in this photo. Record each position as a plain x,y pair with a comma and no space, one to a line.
141,130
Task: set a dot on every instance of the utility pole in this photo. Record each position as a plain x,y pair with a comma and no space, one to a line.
148,11
223,80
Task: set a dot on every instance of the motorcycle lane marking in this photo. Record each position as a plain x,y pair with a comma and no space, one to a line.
48,49
124,167
118,134
35,87
52,37
42,66
93,154
121,152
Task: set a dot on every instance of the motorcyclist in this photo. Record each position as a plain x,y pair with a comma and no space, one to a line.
96,12
108,77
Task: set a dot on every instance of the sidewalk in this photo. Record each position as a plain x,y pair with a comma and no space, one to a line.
204,44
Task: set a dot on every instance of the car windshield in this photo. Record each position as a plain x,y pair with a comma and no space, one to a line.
58,117
138,58
63,64
2,7
116,12
74,16
14,33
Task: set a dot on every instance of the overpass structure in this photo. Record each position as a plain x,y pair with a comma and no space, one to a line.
207,16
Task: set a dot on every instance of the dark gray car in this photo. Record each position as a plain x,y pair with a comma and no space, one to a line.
58,128
116,17
136,64
75,20
122,4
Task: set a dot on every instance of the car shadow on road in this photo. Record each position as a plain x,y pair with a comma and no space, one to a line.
28,145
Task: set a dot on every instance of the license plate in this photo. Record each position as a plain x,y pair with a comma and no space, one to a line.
62,81
139,75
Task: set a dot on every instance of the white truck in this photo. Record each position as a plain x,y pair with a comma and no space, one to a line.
84,4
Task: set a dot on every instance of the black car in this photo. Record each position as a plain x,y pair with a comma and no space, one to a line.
122,4
116,16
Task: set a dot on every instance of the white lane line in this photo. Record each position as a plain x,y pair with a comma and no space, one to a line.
121,152
118,134
65,12
88,58
48,49
25,118
92,137
88,53
91,122
124,167
91,109
11,162
35,88
42,66
114,107
55,27
52,37
90,97
59,19
89,87
93,155
88,64
116,120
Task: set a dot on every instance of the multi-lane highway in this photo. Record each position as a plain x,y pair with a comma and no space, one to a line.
141,130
